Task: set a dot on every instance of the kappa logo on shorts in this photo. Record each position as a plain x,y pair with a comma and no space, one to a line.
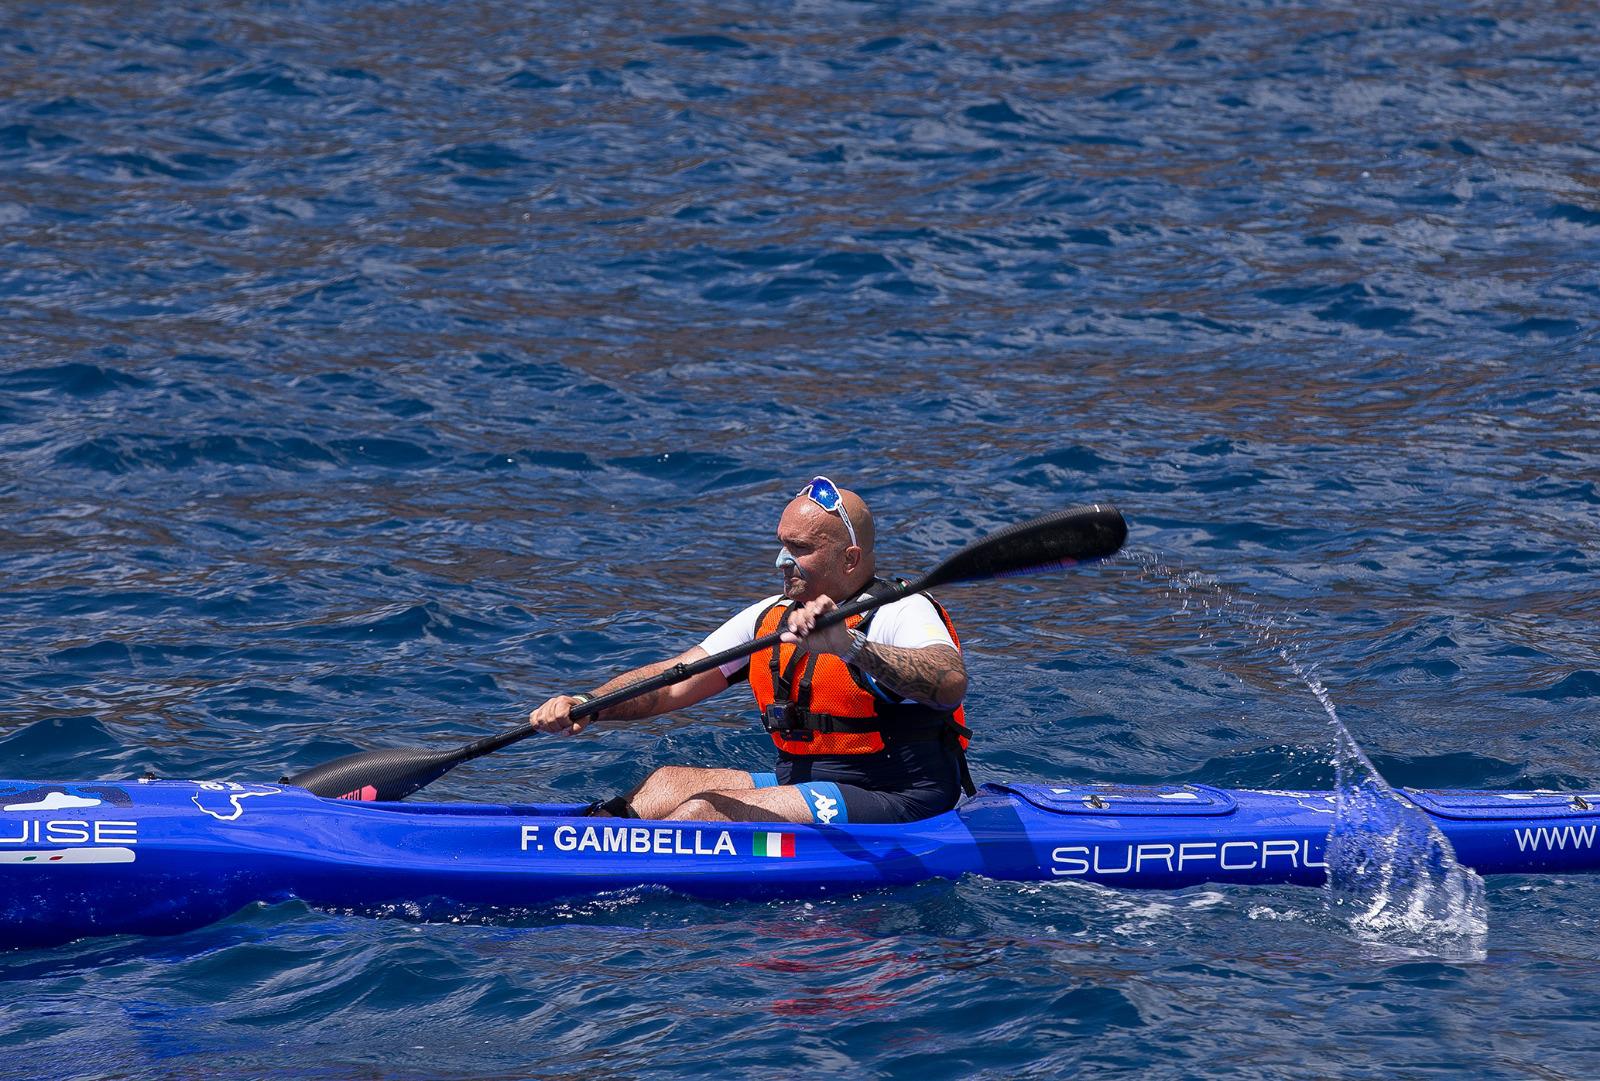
221,799
827,807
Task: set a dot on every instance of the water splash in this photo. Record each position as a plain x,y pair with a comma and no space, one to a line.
1393,878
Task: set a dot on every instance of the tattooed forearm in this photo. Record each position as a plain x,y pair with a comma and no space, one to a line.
932,675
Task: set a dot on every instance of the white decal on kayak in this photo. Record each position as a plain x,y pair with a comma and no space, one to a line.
1587,797
54,801
632,840
1191,856
1555,838
220,799
55,857
68,831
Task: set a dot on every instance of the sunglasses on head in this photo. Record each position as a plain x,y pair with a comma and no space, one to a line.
825,494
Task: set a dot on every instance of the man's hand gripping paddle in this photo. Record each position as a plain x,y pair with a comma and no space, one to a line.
1063,539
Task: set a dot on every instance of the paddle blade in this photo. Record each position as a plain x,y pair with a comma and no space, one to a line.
390,773
1051,542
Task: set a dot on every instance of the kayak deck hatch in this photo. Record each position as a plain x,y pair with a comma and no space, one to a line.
1486,806
1124,801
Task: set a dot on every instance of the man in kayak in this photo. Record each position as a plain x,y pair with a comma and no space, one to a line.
866,715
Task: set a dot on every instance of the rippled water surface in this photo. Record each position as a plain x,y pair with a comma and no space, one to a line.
369,372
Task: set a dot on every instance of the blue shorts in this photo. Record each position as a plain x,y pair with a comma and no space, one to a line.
834,804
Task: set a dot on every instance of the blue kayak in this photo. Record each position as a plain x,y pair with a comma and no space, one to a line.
157,857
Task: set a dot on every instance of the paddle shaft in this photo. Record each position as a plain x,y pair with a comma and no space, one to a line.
683,670
1049,542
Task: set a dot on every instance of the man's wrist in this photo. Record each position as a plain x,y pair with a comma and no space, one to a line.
858,642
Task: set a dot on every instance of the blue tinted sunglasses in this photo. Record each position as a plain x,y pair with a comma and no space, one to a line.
825,494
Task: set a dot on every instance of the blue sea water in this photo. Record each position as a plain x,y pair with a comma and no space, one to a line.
369,372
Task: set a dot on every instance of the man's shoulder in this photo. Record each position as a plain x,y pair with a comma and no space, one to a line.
912,621
913,602
751,613
737,628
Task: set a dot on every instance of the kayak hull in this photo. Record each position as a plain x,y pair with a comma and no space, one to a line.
160,857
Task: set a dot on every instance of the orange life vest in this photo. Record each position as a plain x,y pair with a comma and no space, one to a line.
816,704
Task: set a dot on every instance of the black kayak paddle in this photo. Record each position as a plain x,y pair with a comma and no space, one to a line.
1050,542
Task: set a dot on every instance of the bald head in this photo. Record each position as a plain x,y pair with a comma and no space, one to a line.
861,518
824,560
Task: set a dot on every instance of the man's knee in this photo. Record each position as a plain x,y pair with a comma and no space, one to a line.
670,777
698,809
661,779
677,774
766,805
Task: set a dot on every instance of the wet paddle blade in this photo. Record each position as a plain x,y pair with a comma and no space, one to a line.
1051,542
390,773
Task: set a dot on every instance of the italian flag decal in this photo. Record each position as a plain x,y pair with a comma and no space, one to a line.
774,844
47,856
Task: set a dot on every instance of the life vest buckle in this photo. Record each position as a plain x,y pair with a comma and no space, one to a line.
783,717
